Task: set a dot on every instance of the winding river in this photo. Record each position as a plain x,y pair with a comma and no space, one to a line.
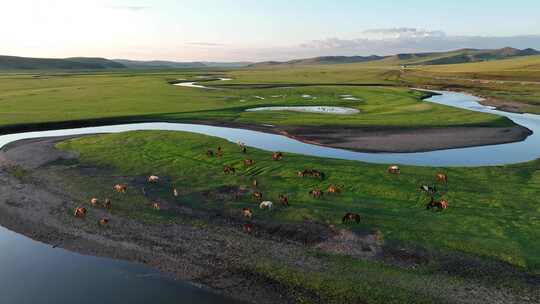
33,272
474,156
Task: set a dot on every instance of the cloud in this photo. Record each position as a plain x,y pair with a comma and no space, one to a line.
402,33
204,44
133,8
403,40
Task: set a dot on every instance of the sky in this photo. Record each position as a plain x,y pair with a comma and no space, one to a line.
258,30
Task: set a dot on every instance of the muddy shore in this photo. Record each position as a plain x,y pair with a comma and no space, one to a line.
218,254
360,139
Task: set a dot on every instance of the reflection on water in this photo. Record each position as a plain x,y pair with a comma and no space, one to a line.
34,273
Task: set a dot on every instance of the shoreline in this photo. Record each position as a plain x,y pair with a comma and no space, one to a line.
36,208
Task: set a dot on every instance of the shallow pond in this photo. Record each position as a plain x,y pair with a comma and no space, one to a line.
310,109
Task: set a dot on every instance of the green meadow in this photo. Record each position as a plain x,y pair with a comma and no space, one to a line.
489,206
148,96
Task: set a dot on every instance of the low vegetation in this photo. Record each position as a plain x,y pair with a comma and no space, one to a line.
488,206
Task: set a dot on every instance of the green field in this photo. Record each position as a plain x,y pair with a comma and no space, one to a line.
145,96
493,212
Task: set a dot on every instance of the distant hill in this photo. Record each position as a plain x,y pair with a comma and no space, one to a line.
320,60
78,63
460,56
433,58
161,64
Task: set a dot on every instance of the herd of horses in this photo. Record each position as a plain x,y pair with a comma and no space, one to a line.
257,196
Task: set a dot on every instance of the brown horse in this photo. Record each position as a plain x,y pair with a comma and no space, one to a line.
120,188
441,205
316,193
107,204
103,221
311,172
277,156
257,196
247,213
156,206
219,152
248,162
284,200
229,170
351,218
441,178
80,212
333,189
248,227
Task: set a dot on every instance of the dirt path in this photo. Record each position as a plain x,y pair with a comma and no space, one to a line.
218,254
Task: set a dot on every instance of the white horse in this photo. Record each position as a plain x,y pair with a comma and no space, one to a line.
266,205
153,179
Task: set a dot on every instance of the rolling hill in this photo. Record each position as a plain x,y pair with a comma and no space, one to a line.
460,56
162,64
320,60
75,63
432,58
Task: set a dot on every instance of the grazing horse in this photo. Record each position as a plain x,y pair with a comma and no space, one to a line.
107,204
210,153
284,200
120,188
257,196
94,201
175,192
229,170
441,205
318,174
311,172
394,170
428,189
249,162
248,227
103,221
156,206
80,212
266,205
153,179
247,213
316,193
351,217
333,189
441,178
277,156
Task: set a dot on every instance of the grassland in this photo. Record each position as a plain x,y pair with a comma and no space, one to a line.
128,97
489,206
493,214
